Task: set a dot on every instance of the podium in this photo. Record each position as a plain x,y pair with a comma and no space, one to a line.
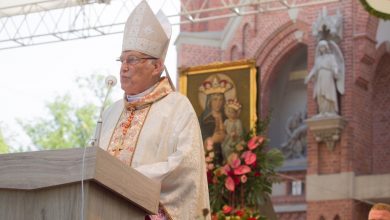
47,185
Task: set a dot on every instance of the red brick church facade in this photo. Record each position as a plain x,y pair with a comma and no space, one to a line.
335,184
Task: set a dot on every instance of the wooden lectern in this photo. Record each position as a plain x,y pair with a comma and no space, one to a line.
46,185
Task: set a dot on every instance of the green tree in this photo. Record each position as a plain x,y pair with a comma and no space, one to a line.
66,124
3,145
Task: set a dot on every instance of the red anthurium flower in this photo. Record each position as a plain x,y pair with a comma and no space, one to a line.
245,153
243,169
226,209
226,168
252,218
240,212
254,142
257,174
236,163
250,158
254,164
229,183
236,180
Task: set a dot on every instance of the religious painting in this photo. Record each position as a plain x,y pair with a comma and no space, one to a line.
224,98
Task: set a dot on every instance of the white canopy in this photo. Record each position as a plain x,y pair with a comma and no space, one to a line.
20,7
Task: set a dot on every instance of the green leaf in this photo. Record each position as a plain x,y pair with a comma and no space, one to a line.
275,158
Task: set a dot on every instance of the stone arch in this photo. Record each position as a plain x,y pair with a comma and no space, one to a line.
380,102
274,49
321,217
382,50
337,217
287,95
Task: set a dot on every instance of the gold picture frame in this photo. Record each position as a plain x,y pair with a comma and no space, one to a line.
241,74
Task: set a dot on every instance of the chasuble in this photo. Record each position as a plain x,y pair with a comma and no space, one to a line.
162,141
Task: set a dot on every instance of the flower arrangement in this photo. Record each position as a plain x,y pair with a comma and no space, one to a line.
240,185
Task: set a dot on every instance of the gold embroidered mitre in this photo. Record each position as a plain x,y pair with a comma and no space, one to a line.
215,85
146,32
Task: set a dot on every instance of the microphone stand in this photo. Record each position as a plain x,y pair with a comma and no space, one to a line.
94,142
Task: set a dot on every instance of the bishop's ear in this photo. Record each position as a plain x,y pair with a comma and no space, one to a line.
158,67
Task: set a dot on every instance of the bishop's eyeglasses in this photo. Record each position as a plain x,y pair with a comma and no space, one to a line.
132,60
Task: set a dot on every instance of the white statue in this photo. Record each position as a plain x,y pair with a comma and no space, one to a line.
328,75
233,127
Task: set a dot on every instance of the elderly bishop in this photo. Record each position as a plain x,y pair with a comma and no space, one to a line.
154,129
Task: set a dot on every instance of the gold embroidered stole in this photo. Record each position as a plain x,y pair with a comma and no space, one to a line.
124,140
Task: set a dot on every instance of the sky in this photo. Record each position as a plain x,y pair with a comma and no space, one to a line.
34,75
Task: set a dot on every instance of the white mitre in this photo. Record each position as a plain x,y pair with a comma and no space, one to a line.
146,32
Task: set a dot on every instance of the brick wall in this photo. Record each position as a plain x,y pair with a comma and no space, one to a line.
343,209
190,55
292,216
270,39
216,25
381,117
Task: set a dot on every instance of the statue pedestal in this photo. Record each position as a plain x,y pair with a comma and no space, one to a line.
326,128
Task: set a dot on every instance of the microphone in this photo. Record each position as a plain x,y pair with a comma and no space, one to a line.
110,82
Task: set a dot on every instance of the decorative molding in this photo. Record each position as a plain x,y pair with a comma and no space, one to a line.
348,185
367,59
364,36
326,128
362,83
218,65
290,208
212,39
330,186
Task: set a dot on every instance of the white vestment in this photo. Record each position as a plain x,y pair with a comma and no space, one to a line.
170,150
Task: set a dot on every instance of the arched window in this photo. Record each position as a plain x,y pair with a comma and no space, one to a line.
234,53
246,35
